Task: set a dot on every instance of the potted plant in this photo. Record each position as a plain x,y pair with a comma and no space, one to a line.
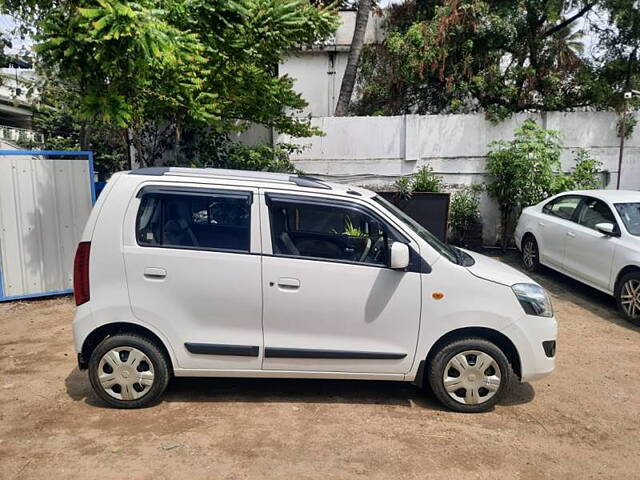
464,217
422,197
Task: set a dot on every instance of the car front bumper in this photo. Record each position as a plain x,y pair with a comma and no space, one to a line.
535,340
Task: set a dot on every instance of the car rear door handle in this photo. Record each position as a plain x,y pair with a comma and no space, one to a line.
541,224
571,234
286,283
155,273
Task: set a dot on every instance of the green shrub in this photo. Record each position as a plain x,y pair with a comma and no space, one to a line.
523,171
424,180
586,173
427,181
403,187
218,151
464,211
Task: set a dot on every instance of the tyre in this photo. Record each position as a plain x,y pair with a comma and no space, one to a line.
470,375
628,297
128,371
530,254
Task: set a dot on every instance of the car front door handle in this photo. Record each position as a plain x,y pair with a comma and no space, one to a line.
571,234
541,224
286,283
155,273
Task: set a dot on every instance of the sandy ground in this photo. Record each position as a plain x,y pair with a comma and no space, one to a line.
581,422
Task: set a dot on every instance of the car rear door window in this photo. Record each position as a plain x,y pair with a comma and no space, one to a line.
199,221
331,232
562,207
594,211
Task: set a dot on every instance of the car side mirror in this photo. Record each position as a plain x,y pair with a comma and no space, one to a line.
607,228
399,256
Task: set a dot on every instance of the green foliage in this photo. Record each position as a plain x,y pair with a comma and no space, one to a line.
501,57
523,171
585,175
350,229
218,151
56,118
464,211
425,180
161,75
403,187
190,63
625,126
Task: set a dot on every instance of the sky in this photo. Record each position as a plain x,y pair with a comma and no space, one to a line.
19,45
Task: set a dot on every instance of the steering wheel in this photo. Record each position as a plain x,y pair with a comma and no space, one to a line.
367,249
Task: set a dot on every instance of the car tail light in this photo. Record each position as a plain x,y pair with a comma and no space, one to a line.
81,273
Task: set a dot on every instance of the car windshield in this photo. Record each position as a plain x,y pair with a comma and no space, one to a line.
630,214
445,250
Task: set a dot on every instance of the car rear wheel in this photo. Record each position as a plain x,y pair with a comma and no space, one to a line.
628,297
470,375
128,371
530,254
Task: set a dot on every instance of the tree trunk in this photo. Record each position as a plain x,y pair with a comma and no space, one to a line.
131,150
349,79
85,136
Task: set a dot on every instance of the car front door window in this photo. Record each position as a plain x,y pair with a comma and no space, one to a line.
326,232
593,212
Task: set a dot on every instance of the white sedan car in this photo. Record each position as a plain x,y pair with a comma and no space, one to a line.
590,235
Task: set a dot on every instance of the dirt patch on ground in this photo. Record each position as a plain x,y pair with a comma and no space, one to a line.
581,422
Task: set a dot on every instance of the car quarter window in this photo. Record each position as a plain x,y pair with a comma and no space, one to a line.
326,231
207,220
562,207
594,211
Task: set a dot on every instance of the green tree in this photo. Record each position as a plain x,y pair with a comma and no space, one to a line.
173,65
523,172
500,57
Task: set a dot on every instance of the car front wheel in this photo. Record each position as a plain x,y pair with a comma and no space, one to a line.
128,371
470,375
628,297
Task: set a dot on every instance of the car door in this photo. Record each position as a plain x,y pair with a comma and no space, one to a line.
194,272
553,224
331,304
589,253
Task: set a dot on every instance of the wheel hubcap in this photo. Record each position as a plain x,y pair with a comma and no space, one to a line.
630,298
472,377
529,254
125,373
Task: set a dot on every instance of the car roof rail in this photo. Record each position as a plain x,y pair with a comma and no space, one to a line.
269,177
307,181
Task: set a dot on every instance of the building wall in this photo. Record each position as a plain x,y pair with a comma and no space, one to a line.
375,151
318,76
318,70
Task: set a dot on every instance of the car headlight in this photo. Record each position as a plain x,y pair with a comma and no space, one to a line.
534,299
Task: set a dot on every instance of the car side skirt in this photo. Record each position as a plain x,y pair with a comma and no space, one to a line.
181,372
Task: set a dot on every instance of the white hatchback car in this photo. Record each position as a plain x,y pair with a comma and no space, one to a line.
590,235
203,272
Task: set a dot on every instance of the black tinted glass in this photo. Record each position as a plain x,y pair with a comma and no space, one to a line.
327,232
594,212
217,222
